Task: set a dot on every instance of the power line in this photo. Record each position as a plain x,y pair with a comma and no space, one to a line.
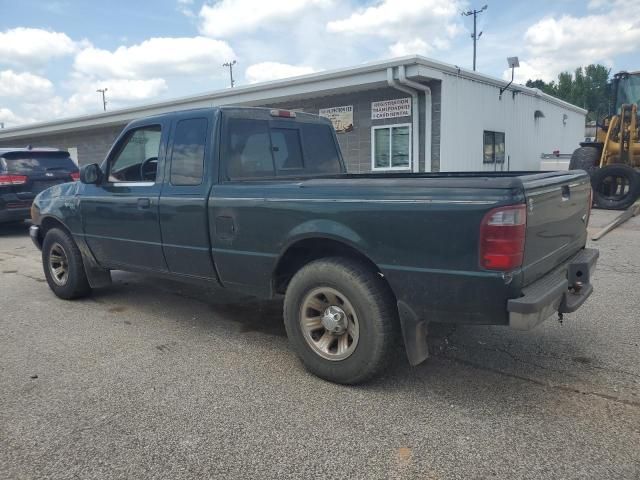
104,98
476,36
230,65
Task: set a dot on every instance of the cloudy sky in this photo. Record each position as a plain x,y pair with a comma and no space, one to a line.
55,54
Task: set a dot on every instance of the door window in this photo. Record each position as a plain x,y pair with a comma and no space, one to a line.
187,158
137,159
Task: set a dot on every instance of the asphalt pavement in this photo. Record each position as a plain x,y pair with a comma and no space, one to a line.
151,378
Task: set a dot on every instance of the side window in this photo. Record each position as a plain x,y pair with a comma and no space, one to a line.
493,147
248,151
187,157
287,151
137,159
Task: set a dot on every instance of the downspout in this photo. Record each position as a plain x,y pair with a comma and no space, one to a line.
402,75
415,147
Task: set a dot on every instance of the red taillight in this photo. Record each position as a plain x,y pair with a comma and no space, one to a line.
283,113
6,180
75,176
502,234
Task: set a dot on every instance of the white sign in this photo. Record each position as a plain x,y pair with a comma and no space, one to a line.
341,117
399,107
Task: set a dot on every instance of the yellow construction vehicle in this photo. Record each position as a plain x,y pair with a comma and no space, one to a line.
613,158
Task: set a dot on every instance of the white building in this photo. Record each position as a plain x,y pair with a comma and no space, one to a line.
405,114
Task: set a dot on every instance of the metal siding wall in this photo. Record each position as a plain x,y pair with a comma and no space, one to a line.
470,107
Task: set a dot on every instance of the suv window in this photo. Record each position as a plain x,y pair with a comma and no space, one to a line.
255,150
28,162
137,159
187,157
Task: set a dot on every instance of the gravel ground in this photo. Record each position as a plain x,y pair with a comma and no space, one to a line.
155,379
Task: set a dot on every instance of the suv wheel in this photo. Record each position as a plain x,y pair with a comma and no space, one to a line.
341,320
63,267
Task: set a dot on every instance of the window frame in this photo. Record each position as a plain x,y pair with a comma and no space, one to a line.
390,168
120,147
493,160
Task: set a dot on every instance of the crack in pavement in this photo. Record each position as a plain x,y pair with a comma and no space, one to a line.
535,381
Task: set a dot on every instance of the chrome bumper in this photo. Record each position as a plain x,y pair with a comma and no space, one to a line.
562,290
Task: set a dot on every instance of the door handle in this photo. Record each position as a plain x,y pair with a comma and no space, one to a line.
144,203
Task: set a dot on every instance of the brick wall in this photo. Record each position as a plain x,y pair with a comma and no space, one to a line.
92,144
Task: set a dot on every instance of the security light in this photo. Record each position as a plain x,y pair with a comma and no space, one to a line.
513,64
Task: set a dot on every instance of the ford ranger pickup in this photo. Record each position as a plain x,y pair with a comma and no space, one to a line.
259,201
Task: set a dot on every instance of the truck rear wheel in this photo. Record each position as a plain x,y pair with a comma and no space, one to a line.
341,319
616,187
63,267
585,158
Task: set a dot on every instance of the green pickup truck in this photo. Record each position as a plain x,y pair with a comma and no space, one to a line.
259,201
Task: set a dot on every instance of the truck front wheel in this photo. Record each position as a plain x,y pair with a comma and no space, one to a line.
63,267
341,319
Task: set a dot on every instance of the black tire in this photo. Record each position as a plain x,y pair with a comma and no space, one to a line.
374,307
585,158
608,190
59,244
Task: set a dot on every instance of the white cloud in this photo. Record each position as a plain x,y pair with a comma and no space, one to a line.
415,46
156,57
186,8
554,44
229,17
418,26
10,119
265,71
33,46
24,85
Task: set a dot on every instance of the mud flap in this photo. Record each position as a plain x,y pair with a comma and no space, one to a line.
414,334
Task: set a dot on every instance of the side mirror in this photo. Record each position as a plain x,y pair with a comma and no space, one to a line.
90,174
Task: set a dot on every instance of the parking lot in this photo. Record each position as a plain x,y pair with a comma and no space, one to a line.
151,378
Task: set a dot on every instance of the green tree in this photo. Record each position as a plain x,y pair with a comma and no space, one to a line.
588,87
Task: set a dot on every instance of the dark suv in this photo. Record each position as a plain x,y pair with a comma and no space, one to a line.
25,172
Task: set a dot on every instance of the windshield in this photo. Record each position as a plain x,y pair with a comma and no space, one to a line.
27,162
628,91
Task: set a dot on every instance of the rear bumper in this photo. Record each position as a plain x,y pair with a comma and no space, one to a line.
14,214
562,290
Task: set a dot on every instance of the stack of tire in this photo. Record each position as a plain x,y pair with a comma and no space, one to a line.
624,179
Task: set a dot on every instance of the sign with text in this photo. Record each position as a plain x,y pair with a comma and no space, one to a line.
341,117
399,107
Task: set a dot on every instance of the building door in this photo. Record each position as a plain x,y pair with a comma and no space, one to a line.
121,215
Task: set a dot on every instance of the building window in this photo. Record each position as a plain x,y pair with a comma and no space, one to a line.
493,147
391,147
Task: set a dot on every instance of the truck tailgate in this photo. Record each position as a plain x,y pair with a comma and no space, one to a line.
557,216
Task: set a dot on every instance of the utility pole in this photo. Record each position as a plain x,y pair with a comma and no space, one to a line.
230,65
104,99
476,36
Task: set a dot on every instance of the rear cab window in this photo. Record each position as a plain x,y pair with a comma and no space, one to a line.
256,146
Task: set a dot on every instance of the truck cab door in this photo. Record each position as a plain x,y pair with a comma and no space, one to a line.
120,215
189,173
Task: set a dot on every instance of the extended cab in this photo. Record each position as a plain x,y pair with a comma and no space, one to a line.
259,201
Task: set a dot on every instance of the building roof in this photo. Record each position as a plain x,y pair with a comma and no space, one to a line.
341,80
